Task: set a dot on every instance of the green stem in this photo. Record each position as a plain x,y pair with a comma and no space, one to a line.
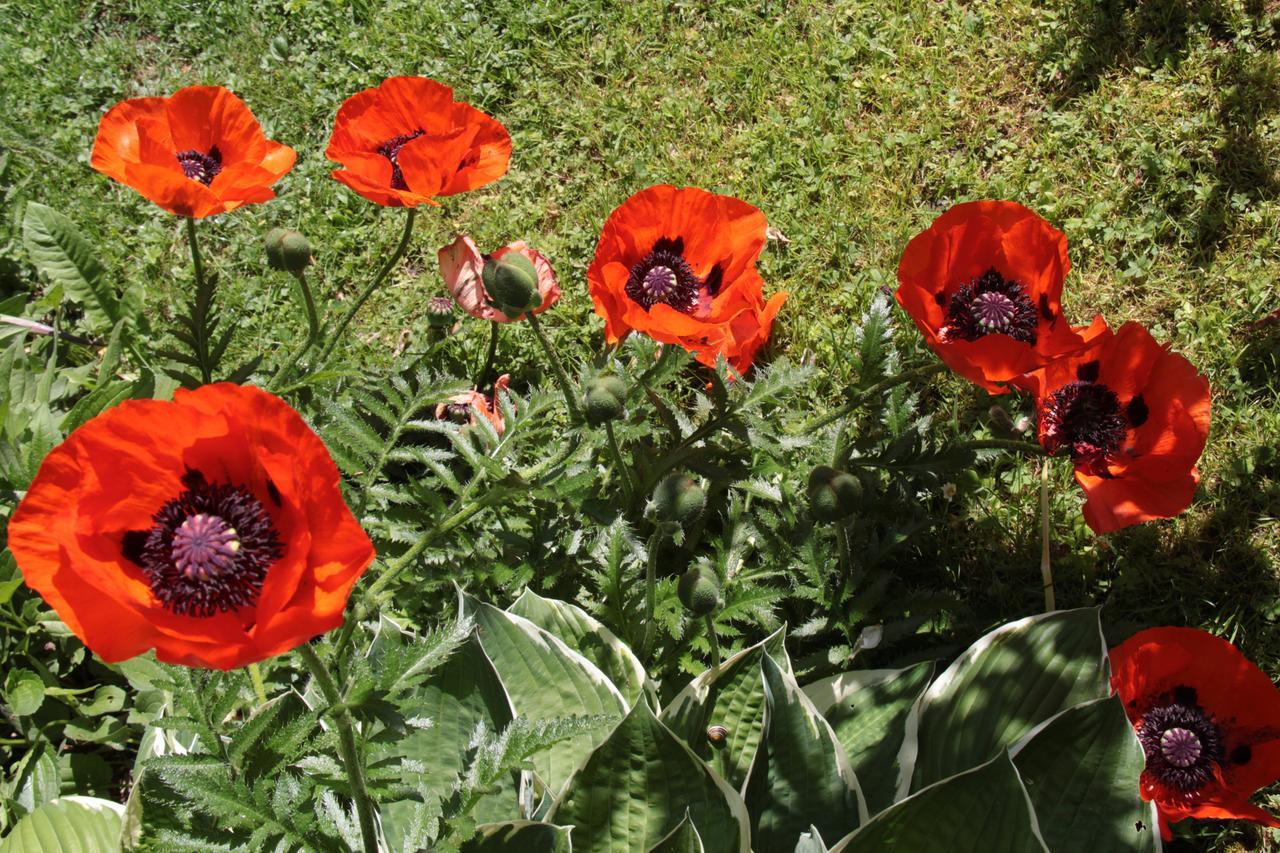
627,488
370,287
844,562
313,331
1046,569
200,307
1003,444
488,359
346,746
715,641
557,369
859,397
259,689
651,587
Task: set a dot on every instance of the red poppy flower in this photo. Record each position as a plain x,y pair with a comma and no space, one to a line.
463,407
984,285
679,265
209,528
1134,417
408,140
1208,721
462,265
197,153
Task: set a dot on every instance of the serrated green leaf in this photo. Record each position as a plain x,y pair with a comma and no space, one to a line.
1001,688
1081,770
68,825
57,249
639,785
800,777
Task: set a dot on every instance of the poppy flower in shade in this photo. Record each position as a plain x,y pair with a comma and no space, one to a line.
679,265
198,152
209,528
462,408
462,266
984,285
1134,417
1208,721
407,140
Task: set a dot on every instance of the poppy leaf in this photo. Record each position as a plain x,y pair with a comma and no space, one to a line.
1081,770
67,824
1007,683
519,836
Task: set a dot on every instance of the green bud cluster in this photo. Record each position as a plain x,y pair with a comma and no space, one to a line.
679,499
833,494
287,251
699,590
512,283
604,399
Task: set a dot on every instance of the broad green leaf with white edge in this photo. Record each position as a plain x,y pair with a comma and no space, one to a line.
1001,688
731,696
585,635
639,785
57,249
545,680
801,777
983,810
869,711
683,839
36,780
68,825
811,842
1081,770
519,836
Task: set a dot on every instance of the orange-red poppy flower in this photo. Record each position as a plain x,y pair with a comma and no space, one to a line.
462,266
407,140
209,528
1208,721
1134,418
463,407
198,152
679,265
984,285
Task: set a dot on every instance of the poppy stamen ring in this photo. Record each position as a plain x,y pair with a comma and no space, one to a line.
391,150
990,304
199,166
1183,746
664,276
1086,418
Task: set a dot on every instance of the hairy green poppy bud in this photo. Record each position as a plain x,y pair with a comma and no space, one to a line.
678,498
699,590
287,250
833,494
512,283
440,312
604,400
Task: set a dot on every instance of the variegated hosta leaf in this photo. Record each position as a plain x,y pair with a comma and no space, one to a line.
67,825
519,836
683,839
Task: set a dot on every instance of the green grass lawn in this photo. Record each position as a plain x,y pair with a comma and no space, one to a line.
1147,130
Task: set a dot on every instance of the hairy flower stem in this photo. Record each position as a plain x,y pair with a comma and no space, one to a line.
715,642
844,562
651,587
346,746
1030,448
624,475
200,307
880,387
483,373
313,331
259,689
557,369
1046,570
373,285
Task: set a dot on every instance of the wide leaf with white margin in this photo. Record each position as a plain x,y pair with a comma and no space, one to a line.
68,825
683,839
545,680
870,710
584,634
731,696
1081,770
801,777
638,786
519,836
983,810
1002,687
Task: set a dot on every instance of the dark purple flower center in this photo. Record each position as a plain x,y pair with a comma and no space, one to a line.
391,150
1182,743
991,304
209,550
1085,417
664,276
199,166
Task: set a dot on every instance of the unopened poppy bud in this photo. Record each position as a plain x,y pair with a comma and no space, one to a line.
678,498
699,590
833,494
512,283
604,400
440,312
287,250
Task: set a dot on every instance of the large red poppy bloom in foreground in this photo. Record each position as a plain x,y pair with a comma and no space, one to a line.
984,285
1208,721
1134,417
679,265
196,153
209,528
407,140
